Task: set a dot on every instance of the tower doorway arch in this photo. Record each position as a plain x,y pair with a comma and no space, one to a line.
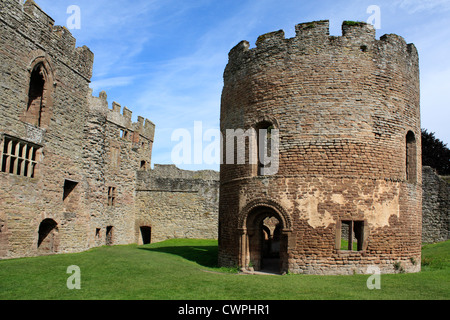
264,239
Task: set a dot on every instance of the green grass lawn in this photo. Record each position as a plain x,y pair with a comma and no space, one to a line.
186,270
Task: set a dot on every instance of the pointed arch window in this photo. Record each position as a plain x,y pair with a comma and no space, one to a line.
37,111
36,100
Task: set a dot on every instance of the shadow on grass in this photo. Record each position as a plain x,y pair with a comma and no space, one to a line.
203,255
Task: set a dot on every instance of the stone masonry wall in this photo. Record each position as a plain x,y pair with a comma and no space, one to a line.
116,150
177,203
28,38
348,114
68,162
436,207
344,106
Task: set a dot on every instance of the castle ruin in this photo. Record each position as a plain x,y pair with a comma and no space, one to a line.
347,191
74,172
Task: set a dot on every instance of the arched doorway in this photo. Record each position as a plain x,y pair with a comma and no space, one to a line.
47,236
109,235
264,240
146,234
270,255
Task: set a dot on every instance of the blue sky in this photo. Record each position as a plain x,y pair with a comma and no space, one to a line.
164,59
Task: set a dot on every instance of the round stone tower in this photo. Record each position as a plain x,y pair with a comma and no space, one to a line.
339,189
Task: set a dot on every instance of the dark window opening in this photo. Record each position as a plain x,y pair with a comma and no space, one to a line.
143,165
264,147
123,134
411,158
97,232
69,186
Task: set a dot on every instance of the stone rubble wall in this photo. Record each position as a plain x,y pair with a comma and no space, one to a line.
81,141
435,207
178,203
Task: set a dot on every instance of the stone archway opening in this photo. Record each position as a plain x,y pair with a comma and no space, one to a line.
48,236
109,235
270,255
264,244
146,234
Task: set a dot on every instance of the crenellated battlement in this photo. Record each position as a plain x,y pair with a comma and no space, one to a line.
315,36
122,116
30,7
315,29
32,22
349,86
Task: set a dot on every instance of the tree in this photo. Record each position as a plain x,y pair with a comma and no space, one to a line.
435,153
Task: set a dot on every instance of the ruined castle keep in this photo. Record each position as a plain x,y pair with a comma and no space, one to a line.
75,174
347,193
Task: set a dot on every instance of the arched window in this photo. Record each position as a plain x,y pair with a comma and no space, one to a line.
36,101
38,106
411,157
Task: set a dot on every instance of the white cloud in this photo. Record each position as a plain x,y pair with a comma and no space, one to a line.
109,83
417,6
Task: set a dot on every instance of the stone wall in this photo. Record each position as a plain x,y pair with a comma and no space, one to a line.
75,172
68,161
28,41
116,148
436,207
177,203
